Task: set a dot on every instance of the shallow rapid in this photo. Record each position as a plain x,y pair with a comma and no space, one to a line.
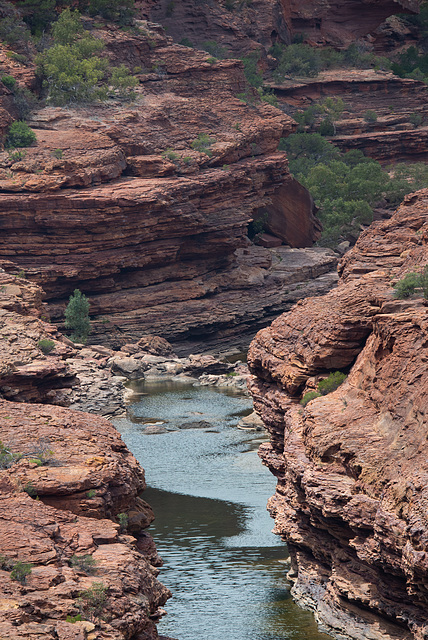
209,490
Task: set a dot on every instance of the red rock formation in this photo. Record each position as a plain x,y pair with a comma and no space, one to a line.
393,99
26,375
340,23
76,472
352,472
132,211
240,27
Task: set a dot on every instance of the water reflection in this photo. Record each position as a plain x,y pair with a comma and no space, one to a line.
209,490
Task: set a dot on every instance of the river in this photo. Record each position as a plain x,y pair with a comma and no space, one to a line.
209,490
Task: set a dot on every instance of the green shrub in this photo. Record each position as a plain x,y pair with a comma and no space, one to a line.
74,619
408,285
13,30
121,11
310,395
38,14
203,143
298,60
251,70
186,43
85,563
72,72
215,49
20,572
91,493
346,186
268,96
93,601
170,154
24,100
370,116
123,521
257,226
331,383
8,81
17,155
77,317
7,458
46,345
19,135
415,119
326,128
58,153
123,82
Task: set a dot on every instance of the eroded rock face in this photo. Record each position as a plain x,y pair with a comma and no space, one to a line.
392,137
340,23
241,27
351,497
144,206
26,374
75,473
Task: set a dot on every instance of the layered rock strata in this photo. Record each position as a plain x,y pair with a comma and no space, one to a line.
352,472
341,23
145,206
241,27
71,472
394,100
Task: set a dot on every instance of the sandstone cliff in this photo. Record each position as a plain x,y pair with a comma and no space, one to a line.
65,477
75,473
126,203
394,100
351,498
240,27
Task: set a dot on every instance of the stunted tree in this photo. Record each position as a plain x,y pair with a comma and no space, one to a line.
77,317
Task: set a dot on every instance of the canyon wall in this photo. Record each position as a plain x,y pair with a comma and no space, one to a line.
395,101
144,206
351,466
239,27
70,496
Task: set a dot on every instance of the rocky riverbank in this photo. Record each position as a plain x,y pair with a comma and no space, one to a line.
351,465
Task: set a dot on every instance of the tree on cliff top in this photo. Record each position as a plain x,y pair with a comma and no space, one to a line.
77,317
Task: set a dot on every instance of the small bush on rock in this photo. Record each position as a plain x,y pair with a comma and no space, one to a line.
310,395
19,135
85,563
20,572
370,116
77,317
411,282
46,346
331,383
92,602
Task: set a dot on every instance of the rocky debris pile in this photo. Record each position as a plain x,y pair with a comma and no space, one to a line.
66,570
351,498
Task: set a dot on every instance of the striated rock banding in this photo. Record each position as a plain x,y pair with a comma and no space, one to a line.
351,498
121,202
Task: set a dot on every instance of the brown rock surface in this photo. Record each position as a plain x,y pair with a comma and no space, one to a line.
26,375
76,472
340,23
240,27
352,472
392,137
133,212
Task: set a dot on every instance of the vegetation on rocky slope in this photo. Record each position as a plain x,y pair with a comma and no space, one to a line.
348,186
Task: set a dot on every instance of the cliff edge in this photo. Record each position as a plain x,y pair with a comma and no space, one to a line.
351,499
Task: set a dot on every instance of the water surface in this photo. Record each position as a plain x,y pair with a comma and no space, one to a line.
209,490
